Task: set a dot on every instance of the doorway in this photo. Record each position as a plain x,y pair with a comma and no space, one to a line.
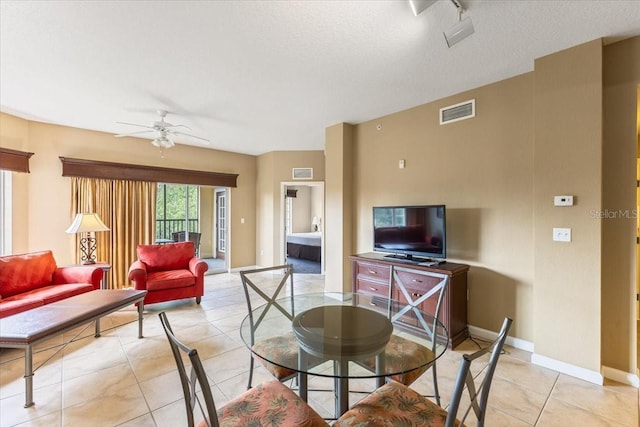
303,226
215,213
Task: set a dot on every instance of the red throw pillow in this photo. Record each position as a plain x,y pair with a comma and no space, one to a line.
172,256
22,273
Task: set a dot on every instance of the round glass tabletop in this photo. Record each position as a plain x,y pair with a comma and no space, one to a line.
345,327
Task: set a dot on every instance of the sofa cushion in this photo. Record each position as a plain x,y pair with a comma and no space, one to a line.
54,293
41,296
173,256
170,279
22,273
10,306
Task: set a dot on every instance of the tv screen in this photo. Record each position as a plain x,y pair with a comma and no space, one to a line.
410,231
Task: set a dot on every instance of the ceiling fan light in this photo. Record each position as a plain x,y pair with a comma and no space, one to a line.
162,142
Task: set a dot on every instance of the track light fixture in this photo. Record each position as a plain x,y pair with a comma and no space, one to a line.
461,30
418,6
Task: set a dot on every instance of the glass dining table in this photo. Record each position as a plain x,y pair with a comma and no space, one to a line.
342,336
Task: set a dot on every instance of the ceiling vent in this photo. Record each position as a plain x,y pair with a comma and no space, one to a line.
457,112
302,173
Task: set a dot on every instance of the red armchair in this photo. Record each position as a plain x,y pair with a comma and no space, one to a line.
168,272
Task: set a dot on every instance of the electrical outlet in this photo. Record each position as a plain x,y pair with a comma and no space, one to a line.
561,234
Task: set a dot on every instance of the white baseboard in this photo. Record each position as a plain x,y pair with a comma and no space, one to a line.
562,367
621,376
566,368
491,335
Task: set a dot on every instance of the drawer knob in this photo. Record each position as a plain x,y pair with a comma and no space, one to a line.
373,272
414,294
372,288
417,280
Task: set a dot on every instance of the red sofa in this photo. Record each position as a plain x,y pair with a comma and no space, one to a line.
168,272
32,280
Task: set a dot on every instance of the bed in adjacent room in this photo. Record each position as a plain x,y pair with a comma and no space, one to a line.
305,245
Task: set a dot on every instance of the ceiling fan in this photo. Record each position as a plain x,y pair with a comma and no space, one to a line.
164,131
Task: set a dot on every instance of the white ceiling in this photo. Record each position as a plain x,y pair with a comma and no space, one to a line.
260,76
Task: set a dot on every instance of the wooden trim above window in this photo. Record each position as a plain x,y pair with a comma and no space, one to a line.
107,170
14,160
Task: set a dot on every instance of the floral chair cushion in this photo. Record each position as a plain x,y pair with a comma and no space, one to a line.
393,405
283,350
401,354
268,404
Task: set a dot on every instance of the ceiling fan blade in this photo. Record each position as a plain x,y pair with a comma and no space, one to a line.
169,125
134,133
135,124
191,136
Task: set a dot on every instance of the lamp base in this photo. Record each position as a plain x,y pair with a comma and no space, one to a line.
88,250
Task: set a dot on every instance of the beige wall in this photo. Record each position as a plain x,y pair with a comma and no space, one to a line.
481,169
621,111
317,204
568,160
274,169
534,136
339,197
14,133
301,221
43,196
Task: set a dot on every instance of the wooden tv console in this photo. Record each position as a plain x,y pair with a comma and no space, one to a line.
371,274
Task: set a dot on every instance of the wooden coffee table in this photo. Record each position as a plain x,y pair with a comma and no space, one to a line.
26,329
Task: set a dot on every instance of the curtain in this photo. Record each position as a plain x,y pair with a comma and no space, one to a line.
128,208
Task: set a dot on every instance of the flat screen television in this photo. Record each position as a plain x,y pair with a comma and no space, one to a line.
416,233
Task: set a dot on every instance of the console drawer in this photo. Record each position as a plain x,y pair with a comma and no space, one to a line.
373,271
371,287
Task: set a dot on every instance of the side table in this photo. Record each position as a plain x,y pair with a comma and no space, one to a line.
105,268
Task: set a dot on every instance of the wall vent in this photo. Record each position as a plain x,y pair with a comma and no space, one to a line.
457,112
302,173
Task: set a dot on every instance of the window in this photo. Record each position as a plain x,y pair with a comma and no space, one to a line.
177,209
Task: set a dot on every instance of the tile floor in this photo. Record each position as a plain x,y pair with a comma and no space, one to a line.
119,380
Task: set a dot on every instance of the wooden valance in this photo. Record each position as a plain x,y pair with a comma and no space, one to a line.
14,160
107,170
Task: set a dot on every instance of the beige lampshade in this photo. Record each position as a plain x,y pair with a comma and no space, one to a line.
86,223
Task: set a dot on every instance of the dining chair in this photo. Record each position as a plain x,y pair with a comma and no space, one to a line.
181,236
417,292
265,285
397,404
271,403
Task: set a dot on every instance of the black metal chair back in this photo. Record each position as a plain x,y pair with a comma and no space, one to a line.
478,392
189,382
259,290
422,292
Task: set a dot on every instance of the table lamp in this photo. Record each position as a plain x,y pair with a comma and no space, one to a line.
87,223
316,223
